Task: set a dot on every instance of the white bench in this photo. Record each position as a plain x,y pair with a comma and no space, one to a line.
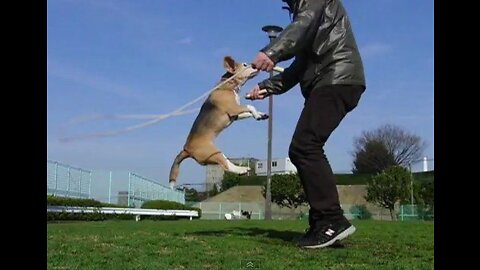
129,211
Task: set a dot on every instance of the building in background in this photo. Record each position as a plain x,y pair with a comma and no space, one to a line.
279,166
215,172
214,176
245,162
123,198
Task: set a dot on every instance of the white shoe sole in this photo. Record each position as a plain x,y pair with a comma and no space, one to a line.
349,231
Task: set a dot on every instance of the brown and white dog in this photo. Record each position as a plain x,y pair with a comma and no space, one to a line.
220,109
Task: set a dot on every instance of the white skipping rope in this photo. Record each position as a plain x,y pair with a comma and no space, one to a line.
153,118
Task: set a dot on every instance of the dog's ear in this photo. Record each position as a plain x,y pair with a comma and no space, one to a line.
229,64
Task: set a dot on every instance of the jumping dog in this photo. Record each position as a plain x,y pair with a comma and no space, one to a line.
220,110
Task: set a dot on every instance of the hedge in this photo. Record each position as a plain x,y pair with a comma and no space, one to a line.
342,179
154,204
65,201
167,205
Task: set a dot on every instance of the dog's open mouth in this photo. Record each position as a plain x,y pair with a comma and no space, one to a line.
253,74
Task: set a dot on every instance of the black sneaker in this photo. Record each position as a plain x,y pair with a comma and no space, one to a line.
326,234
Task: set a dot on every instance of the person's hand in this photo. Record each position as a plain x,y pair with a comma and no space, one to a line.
257,93
263,62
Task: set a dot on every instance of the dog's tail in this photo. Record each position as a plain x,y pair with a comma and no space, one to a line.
176,167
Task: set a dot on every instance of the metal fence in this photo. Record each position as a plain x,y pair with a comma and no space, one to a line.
214,210
141,189
68,181
217,210
133,190
119,187
414,212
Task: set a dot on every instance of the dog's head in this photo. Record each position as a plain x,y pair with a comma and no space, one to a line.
242,71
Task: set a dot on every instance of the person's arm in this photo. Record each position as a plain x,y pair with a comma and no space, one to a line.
298,33
284,81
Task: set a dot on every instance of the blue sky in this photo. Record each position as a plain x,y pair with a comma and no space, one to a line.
110,57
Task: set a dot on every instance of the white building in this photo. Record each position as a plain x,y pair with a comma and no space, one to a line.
214,176
279,166
215,172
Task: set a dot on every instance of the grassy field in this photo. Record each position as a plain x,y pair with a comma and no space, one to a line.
203,244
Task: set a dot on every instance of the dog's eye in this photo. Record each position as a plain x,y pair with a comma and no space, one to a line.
244,64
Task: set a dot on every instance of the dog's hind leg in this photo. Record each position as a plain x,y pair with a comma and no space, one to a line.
176,167
227,165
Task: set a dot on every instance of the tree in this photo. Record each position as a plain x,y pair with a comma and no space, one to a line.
230,180
389,187
372,158
385,146
191,195
427,192
214,191
287,190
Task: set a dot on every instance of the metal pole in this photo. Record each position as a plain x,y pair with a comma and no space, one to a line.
268,196
272,32
56,178
411,184
411,189
129,188
81,174
110,188
68,185
90,186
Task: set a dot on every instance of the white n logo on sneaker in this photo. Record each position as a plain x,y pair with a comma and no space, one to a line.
329,232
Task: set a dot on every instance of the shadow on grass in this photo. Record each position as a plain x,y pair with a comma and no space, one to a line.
258,233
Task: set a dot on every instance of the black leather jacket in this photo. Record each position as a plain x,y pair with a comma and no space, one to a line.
321,40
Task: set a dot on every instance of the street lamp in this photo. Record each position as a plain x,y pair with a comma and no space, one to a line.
272,32
411,183
411,177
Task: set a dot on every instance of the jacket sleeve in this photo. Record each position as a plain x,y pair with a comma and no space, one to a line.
296,34
284,81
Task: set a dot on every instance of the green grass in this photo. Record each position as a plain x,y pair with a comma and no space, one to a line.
203,244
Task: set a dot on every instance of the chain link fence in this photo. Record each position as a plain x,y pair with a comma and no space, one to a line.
218,210
65,180
123,188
